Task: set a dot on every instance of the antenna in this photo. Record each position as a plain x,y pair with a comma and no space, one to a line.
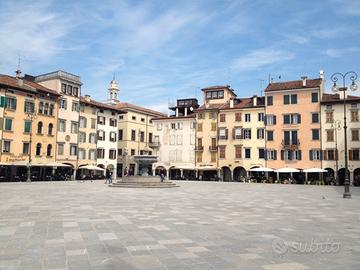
18,71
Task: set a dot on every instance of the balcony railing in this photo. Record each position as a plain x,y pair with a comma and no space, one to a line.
290,144
199,148
154,144
213,148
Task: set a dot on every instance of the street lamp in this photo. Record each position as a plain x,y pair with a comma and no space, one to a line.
336,126
30,116
335,77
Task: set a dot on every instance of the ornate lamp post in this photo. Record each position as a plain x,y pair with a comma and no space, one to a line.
336,126
335,77
30,116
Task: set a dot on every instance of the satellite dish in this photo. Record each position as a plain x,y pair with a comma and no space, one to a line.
191,108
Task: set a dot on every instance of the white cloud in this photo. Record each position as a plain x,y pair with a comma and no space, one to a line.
161,107
335,52
260,58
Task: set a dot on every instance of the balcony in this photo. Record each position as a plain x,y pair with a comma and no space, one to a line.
154,144
212,148
199,148
223,137
290,144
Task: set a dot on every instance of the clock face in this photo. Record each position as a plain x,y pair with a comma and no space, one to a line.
191,108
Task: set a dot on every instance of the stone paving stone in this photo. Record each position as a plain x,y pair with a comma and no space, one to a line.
201,225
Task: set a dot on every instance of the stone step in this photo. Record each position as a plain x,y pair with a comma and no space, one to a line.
143,185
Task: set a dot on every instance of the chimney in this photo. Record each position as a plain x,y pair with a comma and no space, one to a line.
87,97
231,103
254,100
20,81
304,78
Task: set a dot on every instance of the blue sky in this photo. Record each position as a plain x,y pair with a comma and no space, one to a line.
163,50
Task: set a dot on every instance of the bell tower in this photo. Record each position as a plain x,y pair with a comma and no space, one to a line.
113,90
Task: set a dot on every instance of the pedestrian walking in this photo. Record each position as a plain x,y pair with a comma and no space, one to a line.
109,178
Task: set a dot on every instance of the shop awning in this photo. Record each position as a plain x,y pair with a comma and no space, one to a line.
314,170
206,168
261,169
91,167
287,170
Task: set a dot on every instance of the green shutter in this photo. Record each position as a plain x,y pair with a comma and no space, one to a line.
8,124
2,101
27,126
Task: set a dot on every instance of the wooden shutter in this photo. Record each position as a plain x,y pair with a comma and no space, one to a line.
299,118
274,119
336,154
226,133
325,154
350,154
282,154
310,155
299,151
233,133
275,154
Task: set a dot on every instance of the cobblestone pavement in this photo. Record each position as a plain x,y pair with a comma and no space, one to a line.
200,225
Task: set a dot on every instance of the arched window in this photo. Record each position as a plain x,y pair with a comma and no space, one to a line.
40,126
49,150
46,108
50,129
51,112
41,107
38,149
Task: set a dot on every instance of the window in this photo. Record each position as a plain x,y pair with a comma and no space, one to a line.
330,154
200,116
238,151
8,124
247,133
150,137
92,138
290,99
82,122
159,126
75,91
172,139
261,153
112,154
101,120
82,137
63,103
142,136
200,127
215,94
132,152
113,122
120,152
315,118
354,116
73,149
121,117
292,118
92,154
46,109
60,148
354,154
261,117
330,135
315,154
41,107
6,146
179,140
62,125
173,126
26,147
142,119
237,133
112,137
222,117
212,115
354,134
49,150
329,117
237,117
74,127
192,139
38,149
290,137
133,118
271,154
93,123
27,126
63,88
222,151
315,134
51,110
247,153
133,135
82,154
10,103
75,106
314,97
260,134
29,107
39,127
290,155
69,89
270,120
100,153
269,100
101,135
223,133
120,134
50,129
213,126
270,135
199,157
213,157
247,117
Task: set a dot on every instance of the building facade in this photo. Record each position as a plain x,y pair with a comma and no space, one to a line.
333,144
174,141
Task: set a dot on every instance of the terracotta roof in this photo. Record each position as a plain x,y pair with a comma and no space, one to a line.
310,83
193,115
241,103
99,104
335,98
210,107
219,87
26,86
128,106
